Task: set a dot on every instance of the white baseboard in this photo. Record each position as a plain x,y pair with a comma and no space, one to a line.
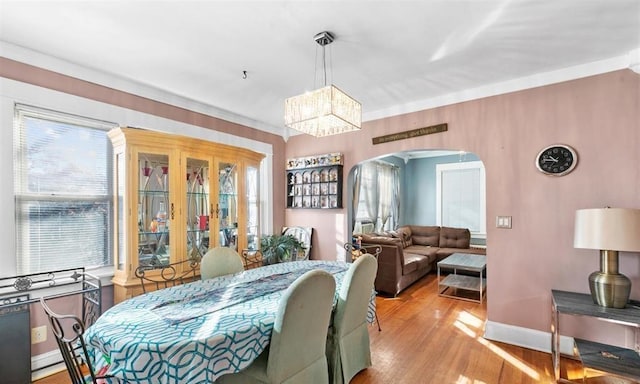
525,337
43,360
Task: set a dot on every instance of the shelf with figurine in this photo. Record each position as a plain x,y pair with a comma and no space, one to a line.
323,160
317,186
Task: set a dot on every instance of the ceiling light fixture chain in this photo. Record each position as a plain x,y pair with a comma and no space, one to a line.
323,39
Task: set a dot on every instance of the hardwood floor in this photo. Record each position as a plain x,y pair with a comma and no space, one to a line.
430,339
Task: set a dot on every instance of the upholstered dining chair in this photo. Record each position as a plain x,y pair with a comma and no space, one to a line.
348,349
296,352
68,331
220,261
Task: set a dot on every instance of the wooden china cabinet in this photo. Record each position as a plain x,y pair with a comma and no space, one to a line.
176,197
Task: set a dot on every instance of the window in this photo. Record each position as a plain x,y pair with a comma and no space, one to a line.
63,191
460,196
378,202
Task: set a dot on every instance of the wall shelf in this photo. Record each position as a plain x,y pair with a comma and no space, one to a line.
315,182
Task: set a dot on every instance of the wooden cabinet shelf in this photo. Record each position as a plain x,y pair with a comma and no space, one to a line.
175,198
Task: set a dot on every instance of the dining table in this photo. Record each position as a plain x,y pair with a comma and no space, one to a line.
198,331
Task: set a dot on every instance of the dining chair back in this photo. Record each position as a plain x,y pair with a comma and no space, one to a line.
348,350
220,261
296,352
159,276
68,331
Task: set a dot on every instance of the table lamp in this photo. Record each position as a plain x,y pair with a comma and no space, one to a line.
610,230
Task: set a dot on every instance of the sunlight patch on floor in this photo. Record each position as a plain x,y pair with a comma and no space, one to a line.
466,380
466,320
470,319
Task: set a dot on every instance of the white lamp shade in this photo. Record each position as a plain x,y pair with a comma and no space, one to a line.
614,229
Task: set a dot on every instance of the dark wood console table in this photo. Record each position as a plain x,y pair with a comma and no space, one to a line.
615,360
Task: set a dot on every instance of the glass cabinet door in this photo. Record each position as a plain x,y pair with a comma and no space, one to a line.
198,207
253,208
175,198
153,208
227,212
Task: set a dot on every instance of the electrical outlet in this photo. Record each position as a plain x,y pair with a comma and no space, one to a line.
39,334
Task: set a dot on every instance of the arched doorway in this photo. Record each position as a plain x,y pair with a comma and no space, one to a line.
424,197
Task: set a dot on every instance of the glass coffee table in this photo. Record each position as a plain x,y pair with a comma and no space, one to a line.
463,287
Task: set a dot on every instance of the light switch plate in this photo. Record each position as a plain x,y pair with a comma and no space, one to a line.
503,222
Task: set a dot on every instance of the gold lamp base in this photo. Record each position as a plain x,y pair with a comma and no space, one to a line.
608,287
609,290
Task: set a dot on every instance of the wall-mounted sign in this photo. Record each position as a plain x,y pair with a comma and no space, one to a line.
409,134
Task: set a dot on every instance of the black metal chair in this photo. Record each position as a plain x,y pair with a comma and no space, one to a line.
16,295
68,331
159,276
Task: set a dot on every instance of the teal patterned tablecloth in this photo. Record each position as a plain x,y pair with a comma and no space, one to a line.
197,332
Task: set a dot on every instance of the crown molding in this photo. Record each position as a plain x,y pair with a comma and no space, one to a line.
31,57
527,82
38,59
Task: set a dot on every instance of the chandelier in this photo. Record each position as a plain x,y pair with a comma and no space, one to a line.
325,111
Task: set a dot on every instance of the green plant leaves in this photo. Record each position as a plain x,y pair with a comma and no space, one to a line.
279,248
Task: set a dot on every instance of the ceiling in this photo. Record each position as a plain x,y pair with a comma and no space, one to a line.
392,56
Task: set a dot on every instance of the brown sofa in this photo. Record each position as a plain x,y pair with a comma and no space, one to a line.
412,251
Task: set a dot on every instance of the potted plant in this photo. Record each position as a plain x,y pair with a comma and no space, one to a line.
280,248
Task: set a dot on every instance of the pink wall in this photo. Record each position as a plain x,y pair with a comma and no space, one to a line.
599,116
37,76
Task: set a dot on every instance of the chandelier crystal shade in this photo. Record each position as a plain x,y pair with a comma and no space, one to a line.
325,111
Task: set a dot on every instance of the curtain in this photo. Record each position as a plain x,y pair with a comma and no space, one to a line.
385,193
357,178
369,187
376,195
395,215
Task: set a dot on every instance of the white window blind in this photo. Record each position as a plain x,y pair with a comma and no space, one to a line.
461,196
63,190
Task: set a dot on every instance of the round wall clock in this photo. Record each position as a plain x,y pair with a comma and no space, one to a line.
557,160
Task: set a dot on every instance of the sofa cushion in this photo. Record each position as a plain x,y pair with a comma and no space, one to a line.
393,234
425,235
385,234
424,250
454,237
404,233
369,238
413,262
